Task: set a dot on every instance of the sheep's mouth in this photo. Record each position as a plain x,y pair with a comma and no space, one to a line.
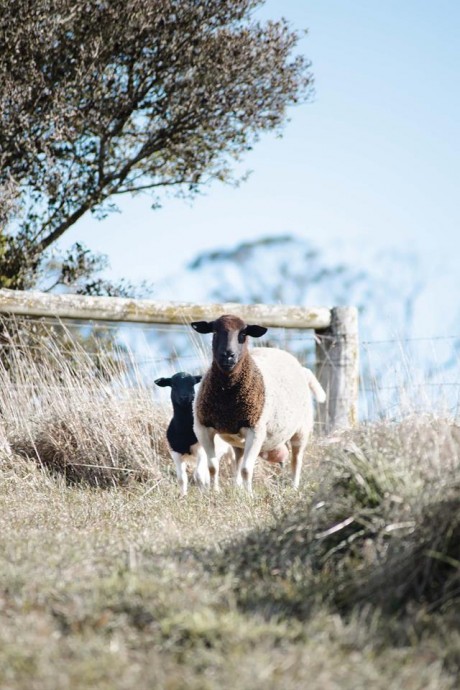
184,402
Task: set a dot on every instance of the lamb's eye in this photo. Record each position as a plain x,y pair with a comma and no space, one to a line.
241,337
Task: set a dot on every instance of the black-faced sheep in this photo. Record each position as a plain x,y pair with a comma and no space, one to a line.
257,401
182,441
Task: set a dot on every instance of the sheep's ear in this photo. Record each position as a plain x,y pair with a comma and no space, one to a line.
163,382
255,331
197,378
203,326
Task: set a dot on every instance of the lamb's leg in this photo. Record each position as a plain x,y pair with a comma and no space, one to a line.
298,446
181,471
201,473
252,447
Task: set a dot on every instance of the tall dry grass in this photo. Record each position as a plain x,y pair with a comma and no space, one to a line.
73,412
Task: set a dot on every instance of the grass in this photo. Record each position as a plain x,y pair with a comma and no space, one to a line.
109,580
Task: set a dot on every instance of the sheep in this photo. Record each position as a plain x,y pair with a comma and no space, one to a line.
256,400
183,443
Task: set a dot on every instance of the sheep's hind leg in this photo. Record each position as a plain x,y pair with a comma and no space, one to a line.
214,473
238,461
252,448
298,446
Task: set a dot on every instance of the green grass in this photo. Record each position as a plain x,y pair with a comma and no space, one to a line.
110,581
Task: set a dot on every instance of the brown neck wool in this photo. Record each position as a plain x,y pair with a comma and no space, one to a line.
229,402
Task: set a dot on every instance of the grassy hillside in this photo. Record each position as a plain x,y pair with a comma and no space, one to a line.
109,580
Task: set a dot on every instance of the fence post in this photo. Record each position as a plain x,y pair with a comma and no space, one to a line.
337,368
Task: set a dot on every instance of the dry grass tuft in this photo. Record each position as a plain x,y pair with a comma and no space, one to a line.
114,443
382,529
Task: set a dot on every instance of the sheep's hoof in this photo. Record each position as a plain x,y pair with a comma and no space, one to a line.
202,481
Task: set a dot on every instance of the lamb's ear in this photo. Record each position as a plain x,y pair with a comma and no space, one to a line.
203,326
163,382
197,378
255,331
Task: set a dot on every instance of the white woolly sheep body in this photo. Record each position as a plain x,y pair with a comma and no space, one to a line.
266,393
288,400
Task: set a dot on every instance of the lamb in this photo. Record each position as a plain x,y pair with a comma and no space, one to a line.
257,400
183,443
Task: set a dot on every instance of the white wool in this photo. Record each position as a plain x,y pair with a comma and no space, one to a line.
288,401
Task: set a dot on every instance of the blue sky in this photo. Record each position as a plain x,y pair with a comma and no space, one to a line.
371,163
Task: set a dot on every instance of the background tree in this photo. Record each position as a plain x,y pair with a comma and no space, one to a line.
100,99
282,269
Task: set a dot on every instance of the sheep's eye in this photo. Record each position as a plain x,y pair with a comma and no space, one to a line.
241,337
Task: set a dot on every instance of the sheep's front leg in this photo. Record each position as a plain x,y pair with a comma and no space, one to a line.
205,436
181,471
238,461
201,473
252,447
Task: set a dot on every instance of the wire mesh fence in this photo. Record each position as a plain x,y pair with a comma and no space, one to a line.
397,376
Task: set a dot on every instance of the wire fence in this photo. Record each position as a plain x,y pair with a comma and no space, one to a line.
398,376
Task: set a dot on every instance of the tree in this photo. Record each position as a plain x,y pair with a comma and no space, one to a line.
102,98
282,269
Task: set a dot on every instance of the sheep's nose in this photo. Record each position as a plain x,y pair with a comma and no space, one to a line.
227,359
184,399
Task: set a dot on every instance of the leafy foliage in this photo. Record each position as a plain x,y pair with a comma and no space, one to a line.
99,99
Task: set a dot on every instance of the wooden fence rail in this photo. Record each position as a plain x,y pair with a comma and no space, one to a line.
336,329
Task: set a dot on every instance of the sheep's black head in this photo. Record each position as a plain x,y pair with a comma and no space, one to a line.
229,340
182,387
